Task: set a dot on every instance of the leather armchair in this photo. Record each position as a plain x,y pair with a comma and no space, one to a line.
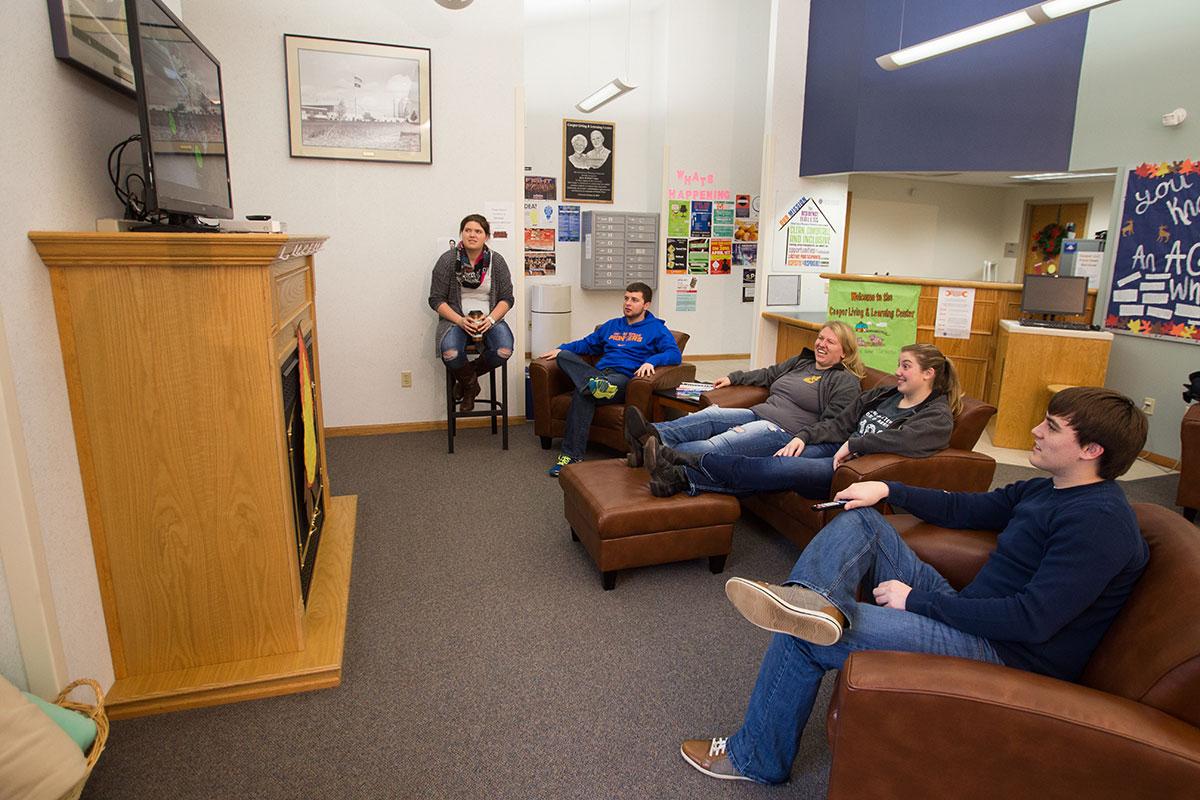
1189,463
955,469
915,725
551,390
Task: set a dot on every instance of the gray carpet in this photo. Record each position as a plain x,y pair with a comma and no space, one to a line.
482,658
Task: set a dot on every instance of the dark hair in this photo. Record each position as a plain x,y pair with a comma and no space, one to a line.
945,378
638,286
480,218
1107,418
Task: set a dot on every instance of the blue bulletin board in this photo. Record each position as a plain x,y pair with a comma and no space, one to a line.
1155,288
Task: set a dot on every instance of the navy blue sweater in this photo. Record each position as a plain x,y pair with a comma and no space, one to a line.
1064,563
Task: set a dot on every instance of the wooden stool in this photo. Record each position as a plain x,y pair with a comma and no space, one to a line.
495,405
611,511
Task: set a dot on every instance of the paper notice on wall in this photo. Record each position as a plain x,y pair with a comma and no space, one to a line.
500,218
809,244
686,289
783,290
955,308
1088,264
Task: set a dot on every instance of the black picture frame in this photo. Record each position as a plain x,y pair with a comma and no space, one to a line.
91,36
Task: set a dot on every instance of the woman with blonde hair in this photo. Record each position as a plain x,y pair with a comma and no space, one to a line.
813,387
914,418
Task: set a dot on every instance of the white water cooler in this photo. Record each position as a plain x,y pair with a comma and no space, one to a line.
550,315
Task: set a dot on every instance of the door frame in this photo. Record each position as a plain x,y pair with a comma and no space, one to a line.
1027,212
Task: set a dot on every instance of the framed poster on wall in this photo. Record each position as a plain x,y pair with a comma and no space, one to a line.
589,149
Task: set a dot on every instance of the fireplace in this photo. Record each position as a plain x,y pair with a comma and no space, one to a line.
306,481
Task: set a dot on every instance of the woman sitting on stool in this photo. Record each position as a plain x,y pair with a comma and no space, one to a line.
472,291
914,418
812,387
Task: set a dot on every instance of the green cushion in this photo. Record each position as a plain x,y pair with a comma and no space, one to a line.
80,728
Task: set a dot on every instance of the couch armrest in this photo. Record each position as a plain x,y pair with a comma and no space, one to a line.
546,381
638,390
916,725
734,397
952,470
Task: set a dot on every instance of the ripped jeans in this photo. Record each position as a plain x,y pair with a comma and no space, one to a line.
728,431
498,338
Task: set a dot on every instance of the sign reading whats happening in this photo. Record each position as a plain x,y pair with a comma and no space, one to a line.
1156,270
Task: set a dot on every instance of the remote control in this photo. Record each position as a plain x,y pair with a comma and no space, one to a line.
830,504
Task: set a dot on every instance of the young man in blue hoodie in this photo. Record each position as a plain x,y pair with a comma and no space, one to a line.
1068,555
628,346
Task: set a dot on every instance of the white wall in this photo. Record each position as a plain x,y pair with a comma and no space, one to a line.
373,275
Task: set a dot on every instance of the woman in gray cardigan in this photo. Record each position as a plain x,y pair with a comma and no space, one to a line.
471,291
812,387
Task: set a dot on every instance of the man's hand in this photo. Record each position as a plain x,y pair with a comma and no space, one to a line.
892,594
551,354
644,371
793,448
863,494
721,383
842,455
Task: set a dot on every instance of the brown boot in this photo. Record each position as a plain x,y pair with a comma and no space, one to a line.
466,388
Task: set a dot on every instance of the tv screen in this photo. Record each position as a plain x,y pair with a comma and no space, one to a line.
182,115
1053,294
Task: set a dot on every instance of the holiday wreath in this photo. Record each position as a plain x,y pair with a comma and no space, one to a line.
1048,241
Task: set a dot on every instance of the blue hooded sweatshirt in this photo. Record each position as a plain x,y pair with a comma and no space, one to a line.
626,347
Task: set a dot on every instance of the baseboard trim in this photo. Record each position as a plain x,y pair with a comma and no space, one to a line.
1161,461
718,357
413,427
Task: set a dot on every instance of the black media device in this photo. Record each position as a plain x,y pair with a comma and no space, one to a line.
181,110
830,504
1054,294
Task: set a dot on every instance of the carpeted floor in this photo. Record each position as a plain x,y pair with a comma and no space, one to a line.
482,658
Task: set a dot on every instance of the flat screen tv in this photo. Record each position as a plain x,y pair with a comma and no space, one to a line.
182,115
1054,294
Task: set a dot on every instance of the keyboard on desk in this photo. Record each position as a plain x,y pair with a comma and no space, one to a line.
1051,323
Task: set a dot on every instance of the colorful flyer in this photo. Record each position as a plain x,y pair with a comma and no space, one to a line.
540,188
701,218
883,316
539,239
745,254
742,206
808,242
722,219
697,256
677,252
679,218
746,230
537,263
720,256
568,223
685,293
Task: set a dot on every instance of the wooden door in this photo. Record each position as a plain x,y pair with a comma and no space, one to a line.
1042,214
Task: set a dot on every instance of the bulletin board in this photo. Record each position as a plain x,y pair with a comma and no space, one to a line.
1155,287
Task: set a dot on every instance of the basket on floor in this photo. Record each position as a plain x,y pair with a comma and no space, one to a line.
94,712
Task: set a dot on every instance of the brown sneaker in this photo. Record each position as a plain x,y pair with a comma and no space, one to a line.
793,610
709,756
637,430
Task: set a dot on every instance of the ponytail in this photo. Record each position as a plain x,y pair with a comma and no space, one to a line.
945,378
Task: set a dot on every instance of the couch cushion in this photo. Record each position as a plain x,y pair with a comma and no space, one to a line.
37,759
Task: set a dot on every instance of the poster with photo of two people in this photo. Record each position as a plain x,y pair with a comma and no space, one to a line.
589,149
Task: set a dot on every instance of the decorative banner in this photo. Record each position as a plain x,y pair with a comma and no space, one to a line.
697,257
1156,271
722,219
720,256
701,218
677,253
568,223
540,188
883,316
679,218
589,149
955,310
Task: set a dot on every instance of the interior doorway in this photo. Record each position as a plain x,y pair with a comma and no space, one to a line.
1040,217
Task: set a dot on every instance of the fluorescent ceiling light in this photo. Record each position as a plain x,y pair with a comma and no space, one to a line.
609,91
1061,176
989,29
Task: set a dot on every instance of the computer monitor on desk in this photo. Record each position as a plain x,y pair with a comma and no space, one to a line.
1054,294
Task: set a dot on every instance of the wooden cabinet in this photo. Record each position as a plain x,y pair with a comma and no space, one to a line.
172,346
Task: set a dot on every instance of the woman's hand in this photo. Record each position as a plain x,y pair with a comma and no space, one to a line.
721,383
793,448
467,324
842,455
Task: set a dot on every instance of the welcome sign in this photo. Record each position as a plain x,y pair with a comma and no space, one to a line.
1156,271
882,315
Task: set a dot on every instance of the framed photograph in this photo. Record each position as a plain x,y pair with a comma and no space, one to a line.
589,149
358,100
90,35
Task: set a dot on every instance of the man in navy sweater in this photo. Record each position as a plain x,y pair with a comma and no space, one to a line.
630,345
1068,555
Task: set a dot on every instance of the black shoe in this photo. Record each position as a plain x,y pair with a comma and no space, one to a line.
637,430
666,479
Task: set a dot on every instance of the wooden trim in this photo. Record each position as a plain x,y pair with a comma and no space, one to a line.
1161,461
1016,287
846,229
719,357
71,249
413,427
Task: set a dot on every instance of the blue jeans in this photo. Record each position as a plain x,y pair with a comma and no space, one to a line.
809,474
583,406
730,431
498,337
857,544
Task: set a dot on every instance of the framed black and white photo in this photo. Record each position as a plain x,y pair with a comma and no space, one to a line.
90,35
589,149
358,100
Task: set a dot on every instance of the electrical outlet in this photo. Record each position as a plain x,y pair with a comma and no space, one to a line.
406,379
1148,405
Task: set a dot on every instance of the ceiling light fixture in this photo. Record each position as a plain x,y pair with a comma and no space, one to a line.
1037,14
1061,176
609,91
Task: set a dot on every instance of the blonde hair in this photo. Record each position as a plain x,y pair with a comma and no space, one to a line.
849,342
945,378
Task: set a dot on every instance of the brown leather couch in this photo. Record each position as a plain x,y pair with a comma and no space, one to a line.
552,389
1189,463
956,469
915,725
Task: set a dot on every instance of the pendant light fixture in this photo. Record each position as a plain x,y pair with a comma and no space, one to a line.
616,87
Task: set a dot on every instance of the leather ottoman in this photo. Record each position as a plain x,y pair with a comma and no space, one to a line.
611,511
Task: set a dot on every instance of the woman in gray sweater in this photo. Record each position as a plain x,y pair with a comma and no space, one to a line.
471,291
812,387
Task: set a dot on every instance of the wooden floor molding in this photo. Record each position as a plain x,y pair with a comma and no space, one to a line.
317,666
1162,461
412,427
